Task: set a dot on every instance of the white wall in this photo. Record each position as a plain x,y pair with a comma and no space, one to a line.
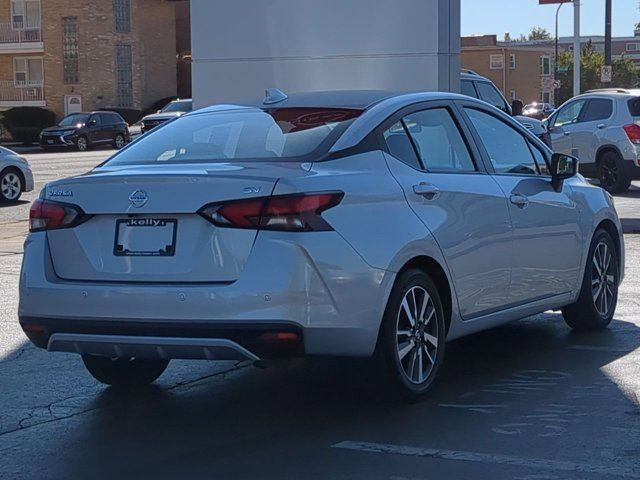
241,47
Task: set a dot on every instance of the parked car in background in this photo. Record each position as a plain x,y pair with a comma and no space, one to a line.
171,110
86,130
476,86
537,110
353,223
602,129
15,176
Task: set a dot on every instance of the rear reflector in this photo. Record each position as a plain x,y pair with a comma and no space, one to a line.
633,132
290,213
48,215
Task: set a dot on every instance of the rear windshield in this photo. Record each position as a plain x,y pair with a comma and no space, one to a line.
282,134
179,106
634,107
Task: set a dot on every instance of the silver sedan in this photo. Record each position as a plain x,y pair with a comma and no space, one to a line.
15,176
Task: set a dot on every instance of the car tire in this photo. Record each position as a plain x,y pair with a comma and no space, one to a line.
119,141
411,341
82,143
124,372
611,173
11,185
598,297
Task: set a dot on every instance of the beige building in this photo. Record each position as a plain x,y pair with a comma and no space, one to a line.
70,55
523,72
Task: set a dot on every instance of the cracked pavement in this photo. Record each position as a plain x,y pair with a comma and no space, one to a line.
529,400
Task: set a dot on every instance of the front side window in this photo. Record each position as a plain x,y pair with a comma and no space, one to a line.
507,148
541,159
491,95
438,141
251,134
569,114
467,88
598,109
74,119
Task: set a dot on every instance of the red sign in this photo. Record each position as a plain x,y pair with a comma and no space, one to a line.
550,2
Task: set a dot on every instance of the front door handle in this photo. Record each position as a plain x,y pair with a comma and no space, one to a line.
426,190
518,200
601,126
566,134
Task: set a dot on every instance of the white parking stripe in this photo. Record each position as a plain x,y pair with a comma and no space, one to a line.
496,459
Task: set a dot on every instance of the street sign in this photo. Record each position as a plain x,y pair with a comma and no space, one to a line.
557,84
606,74
563,68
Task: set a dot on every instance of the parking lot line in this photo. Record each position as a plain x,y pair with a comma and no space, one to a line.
489,458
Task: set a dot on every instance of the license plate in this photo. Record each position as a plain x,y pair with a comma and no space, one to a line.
50,142
145,237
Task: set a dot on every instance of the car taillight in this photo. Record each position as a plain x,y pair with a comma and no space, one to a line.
48,215
290,213
633,132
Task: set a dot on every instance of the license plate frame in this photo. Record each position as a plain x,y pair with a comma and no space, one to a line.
124,244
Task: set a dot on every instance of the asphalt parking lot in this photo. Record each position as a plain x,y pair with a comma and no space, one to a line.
527,401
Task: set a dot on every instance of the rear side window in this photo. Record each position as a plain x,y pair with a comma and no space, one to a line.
249,134
507,148
467,88
634,107
491,95
598,109
399,145
439,142
106,119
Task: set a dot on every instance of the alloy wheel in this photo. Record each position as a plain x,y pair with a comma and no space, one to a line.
119,142
603,279
11,186
82,144
417,335
608,173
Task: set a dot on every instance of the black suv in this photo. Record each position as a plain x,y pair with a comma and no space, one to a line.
85,130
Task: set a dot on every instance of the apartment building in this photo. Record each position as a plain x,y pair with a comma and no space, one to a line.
521,72
70,55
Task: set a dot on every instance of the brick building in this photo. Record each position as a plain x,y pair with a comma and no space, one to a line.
67,55
523,72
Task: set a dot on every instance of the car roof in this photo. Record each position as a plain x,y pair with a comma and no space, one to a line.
612,92
357,99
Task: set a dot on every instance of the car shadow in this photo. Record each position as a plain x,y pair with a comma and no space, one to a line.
279,422
13,204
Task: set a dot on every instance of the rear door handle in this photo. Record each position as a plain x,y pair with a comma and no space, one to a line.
518,200
426,190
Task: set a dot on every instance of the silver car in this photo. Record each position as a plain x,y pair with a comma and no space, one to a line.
339,223
15,176
602,129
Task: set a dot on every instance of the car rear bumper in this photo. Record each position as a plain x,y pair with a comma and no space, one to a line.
319,289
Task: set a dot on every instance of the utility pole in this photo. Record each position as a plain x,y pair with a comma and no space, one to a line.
555,61
576,47
606,71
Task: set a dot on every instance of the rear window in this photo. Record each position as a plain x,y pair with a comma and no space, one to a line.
634,107
598,109
281,134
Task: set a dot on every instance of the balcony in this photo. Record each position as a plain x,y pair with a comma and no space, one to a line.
14,94
21,37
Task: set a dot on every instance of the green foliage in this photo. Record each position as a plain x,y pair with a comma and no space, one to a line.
625,74
25,123
539,33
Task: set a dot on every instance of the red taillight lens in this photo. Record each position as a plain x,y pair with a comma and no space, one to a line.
633,132
48,215
291,213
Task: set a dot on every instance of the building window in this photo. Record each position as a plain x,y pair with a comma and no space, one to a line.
545,63
25,14
545,97
70,50
122,15
633,47
512,95
28,71
124,76
496,62
512,61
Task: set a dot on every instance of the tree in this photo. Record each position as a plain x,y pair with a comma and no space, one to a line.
625,74
539,33
507,37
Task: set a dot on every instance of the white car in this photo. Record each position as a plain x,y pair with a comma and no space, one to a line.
15,176
336,223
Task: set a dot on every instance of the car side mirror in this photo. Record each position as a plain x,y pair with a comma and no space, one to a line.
562,167
517,107
92,123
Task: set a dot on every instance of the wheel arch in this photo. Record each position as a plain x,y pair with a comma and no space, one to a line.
608,226
606,149
438,274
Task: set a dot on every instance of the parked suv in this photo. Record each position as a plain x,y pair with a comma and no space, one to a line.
602,129
85,130
171,110
477,86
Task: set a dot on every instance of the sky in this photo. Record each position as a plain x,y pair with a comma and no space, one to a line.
518,16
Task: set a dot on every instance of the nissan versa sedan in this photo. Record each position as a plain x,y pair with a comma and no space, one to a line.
360,224
15,176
